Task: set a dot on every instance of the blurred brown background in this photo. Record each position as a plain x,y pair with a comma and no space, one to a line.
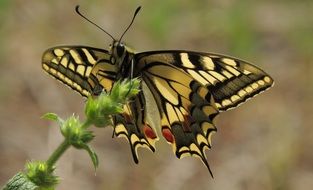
267,143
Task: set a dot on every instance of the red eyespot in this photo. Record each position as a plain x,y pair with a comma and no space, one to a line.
149,132
168,135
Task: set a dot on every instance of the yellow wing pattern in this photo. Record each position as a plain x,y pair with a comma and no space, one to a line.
231,81
82,68
186,116
133,125
191,88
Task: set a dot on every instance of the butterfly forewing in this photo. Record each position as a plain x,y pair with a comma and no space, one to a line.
80,67
231,81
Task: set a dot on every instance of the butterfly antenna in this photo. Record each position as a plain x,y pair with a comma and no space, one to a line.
136,12
80,14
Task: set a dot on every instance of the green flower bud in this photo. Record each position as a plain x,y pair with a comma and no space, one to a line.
40,174
98,110
70,127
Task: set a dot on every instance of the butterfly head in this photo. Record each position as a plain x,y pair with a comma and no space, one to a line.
120,52
118,49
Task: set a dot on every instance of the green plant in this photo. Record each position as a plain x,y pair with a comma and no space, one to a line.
40,174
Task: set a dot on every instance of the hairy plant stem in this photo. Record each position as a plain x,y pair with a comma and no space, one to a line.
57,154
63,147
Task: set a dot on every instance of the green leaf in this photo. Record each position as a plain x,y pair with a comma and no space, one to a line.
50,116
20,182
81,139
115,91
102,122
53,117
86,136
93,156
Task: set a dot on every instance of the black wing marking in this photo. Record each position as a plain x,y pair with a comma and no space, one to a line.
133,125
231,81
82,68
186,117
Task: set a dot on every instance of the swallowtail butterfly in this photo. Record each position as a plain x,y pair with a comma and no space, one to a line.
189,88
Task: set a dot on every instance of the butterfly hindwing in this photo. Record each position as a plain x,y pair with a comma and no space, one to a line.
134,126
231,81
186,117
80,67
